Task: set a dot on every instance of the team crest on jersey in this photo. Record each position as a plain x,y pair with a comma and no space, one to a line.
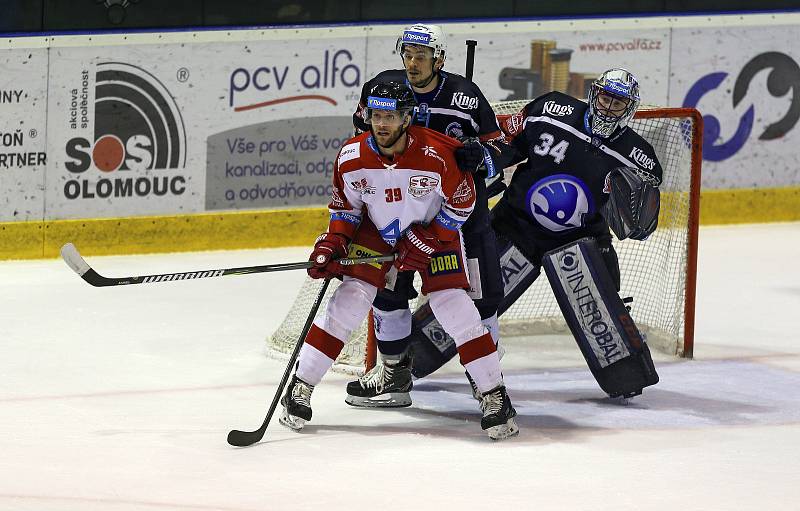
349,152
463,193
513,124
454,130
560,202
362,186
336,199
420,186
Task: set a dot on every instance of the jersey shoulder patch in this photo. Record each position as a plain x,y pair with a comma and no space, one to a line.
349,152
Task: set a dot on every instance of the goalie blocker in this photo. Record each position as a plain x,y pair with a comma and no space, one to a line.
617,355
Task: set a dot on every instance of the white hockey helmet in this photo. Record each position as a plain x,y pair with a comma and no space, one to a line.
431,36
621,85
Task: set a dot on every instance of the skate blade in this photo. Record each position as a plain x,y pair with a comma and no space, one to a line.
291,422
621,400
390,400
503,431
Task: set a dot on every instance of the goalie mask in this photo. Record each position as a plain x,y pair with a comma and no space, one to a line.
389,109
613,100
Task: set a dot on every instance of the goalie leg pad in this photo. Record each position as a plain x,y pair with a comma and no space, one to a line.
617,355
432,346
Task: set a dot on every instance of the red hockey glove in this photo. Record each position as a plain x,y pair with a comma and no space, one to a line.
415,248
329,246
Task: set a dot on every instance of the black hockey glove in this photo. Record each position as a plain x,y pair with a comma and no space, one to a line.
633,203
470,156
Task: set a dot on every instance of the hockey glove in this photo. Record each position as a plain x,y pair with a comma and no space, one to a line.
633,203
415,248
470,156
327,248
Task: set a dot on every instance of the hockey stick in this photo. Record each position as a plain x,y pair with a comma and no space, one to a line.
471,44
245,438
74,260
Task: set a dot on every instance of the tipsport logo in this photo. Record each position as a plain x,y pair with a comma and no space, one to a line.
381,103
137,127
416,37
784,76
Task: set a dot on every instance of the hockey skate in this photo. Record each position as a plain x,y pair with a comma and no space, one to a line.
498,414
386,386
296,404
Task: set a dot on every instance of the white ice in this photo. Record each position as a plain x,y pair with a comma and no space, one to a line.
121,399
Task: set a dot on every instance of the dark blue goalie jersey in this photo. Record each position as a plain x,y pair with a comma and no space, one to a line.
558,192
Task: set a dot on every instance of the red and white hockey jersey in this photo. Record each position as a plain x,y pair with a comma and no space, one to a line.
422,185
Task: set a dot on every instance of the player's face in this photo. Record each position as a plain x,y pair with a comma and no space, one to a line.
611,106
418,61
387,126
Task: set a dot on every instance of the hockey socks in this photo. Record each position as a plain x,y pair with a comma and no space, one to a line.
317,355
479,357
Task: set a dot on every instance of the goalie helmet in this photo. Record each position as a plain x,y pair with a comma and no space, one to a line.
424,35
613,100
390,96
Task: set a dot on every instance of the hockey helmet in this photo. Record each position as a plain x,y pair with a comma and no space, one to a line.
390,96
619,102
431,36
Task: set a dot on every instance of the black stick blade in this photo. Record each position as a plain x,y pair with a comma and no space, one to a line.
238,438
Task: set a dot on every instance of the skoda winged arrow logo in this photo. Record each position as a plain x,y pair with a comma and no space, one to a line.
559,202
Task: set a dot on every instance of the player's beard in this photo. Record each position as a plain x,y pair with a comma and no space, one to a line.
420,78
386,137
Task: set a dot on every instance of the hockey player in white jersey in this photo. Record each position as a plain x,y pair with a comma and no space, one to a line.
398,189
452,105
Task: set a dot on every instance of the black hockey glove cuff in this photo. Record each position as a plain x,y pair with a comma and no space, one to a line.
470,157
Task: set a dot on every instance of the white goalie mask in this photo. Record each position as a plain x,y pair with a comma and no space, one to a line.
424,35
613,100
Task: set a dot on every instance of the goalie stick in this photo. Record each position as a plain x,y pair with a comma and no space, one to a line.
238,438
79,265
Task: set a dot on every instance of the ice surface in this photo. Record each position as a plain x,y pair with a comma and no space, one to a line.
121,398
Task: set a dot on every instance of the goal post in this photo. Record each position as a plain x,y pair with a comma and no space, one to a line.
659,273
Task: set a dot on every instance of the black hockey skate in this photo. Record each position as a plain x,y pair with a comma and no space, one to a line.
296,404
385,386
498,414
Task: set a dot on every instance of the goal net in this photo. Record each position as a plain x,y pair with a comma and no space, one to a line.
659,273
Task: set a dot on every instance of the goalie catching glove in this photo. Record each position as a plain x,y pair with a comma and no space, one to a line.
415,248
633,203
328,247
